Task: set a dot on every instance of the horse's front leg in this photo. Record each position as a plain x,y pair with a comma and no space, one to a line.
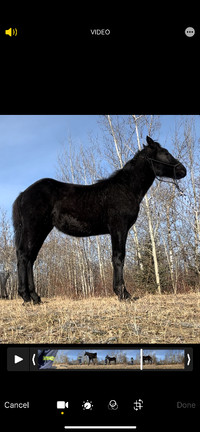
118,238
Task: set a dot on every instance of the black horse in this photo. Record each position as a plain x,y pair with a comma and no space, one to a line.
148,359
111,359
109,206
91,356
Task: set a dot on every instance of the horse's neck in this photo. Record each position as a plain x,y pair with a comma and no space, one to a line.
142,178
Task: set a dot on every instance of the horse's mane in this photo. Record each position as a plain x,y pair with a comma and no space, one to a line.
116,175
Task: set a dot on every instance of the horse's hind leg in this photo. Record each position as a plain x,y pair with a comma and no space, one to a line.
33,252
26,256
26,287
31,285
22,262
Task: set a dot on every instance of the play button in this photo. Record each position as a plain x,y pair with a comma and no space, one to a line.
17,359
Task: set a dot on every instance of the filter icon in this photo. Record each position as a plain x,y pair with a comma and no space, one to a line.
113,405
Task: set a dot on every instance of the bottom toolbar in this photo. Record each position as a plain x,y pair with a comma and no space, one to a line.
100,387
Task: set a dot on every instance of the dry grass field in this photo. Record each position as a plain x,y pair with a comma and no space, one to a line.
117,367
164,367
96,367
151,319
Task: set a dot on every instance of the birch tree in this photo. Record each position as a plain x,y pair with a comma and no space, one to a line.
119,155
189,135
150,223
7,258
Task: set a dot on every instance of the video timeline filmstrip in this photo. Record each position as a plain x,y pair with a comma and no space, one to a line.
112,358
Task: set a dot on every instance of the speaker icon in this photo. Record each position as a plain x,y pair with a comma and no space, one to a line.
11,32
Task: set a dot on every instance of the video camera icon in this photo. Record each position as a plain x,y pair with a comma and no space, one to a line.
62,405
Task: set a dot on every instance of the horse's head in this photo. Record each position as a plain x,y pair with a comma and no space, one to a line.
162,162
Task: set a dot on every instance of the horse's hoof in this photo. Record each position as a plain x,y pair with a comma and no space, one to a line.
134,298
124,297
26,303
127,299
37,301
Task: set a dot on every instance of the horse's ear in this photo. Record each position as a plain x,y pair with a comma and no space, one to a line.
151,142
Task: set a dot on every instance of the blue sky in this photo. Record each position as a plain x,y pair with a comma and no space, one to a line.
29,148
30,145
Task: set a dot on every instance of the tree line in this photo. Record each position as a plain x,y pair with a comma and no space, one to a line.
163,247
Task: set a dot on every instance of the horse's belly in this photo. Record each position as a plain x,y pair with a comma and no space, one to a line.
78,228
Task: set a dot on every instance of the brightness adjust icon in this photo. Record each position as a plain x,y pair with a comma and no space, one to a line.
87,405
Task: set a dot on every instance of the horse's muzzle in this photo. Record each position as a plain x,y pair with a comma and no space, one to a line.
180,171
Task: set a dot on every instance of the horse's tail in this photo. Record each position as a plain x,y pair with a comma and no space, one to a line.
17,220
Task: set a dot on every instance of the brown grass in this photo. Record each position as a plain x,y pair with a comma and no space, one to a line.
164,367
151,319
97,367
